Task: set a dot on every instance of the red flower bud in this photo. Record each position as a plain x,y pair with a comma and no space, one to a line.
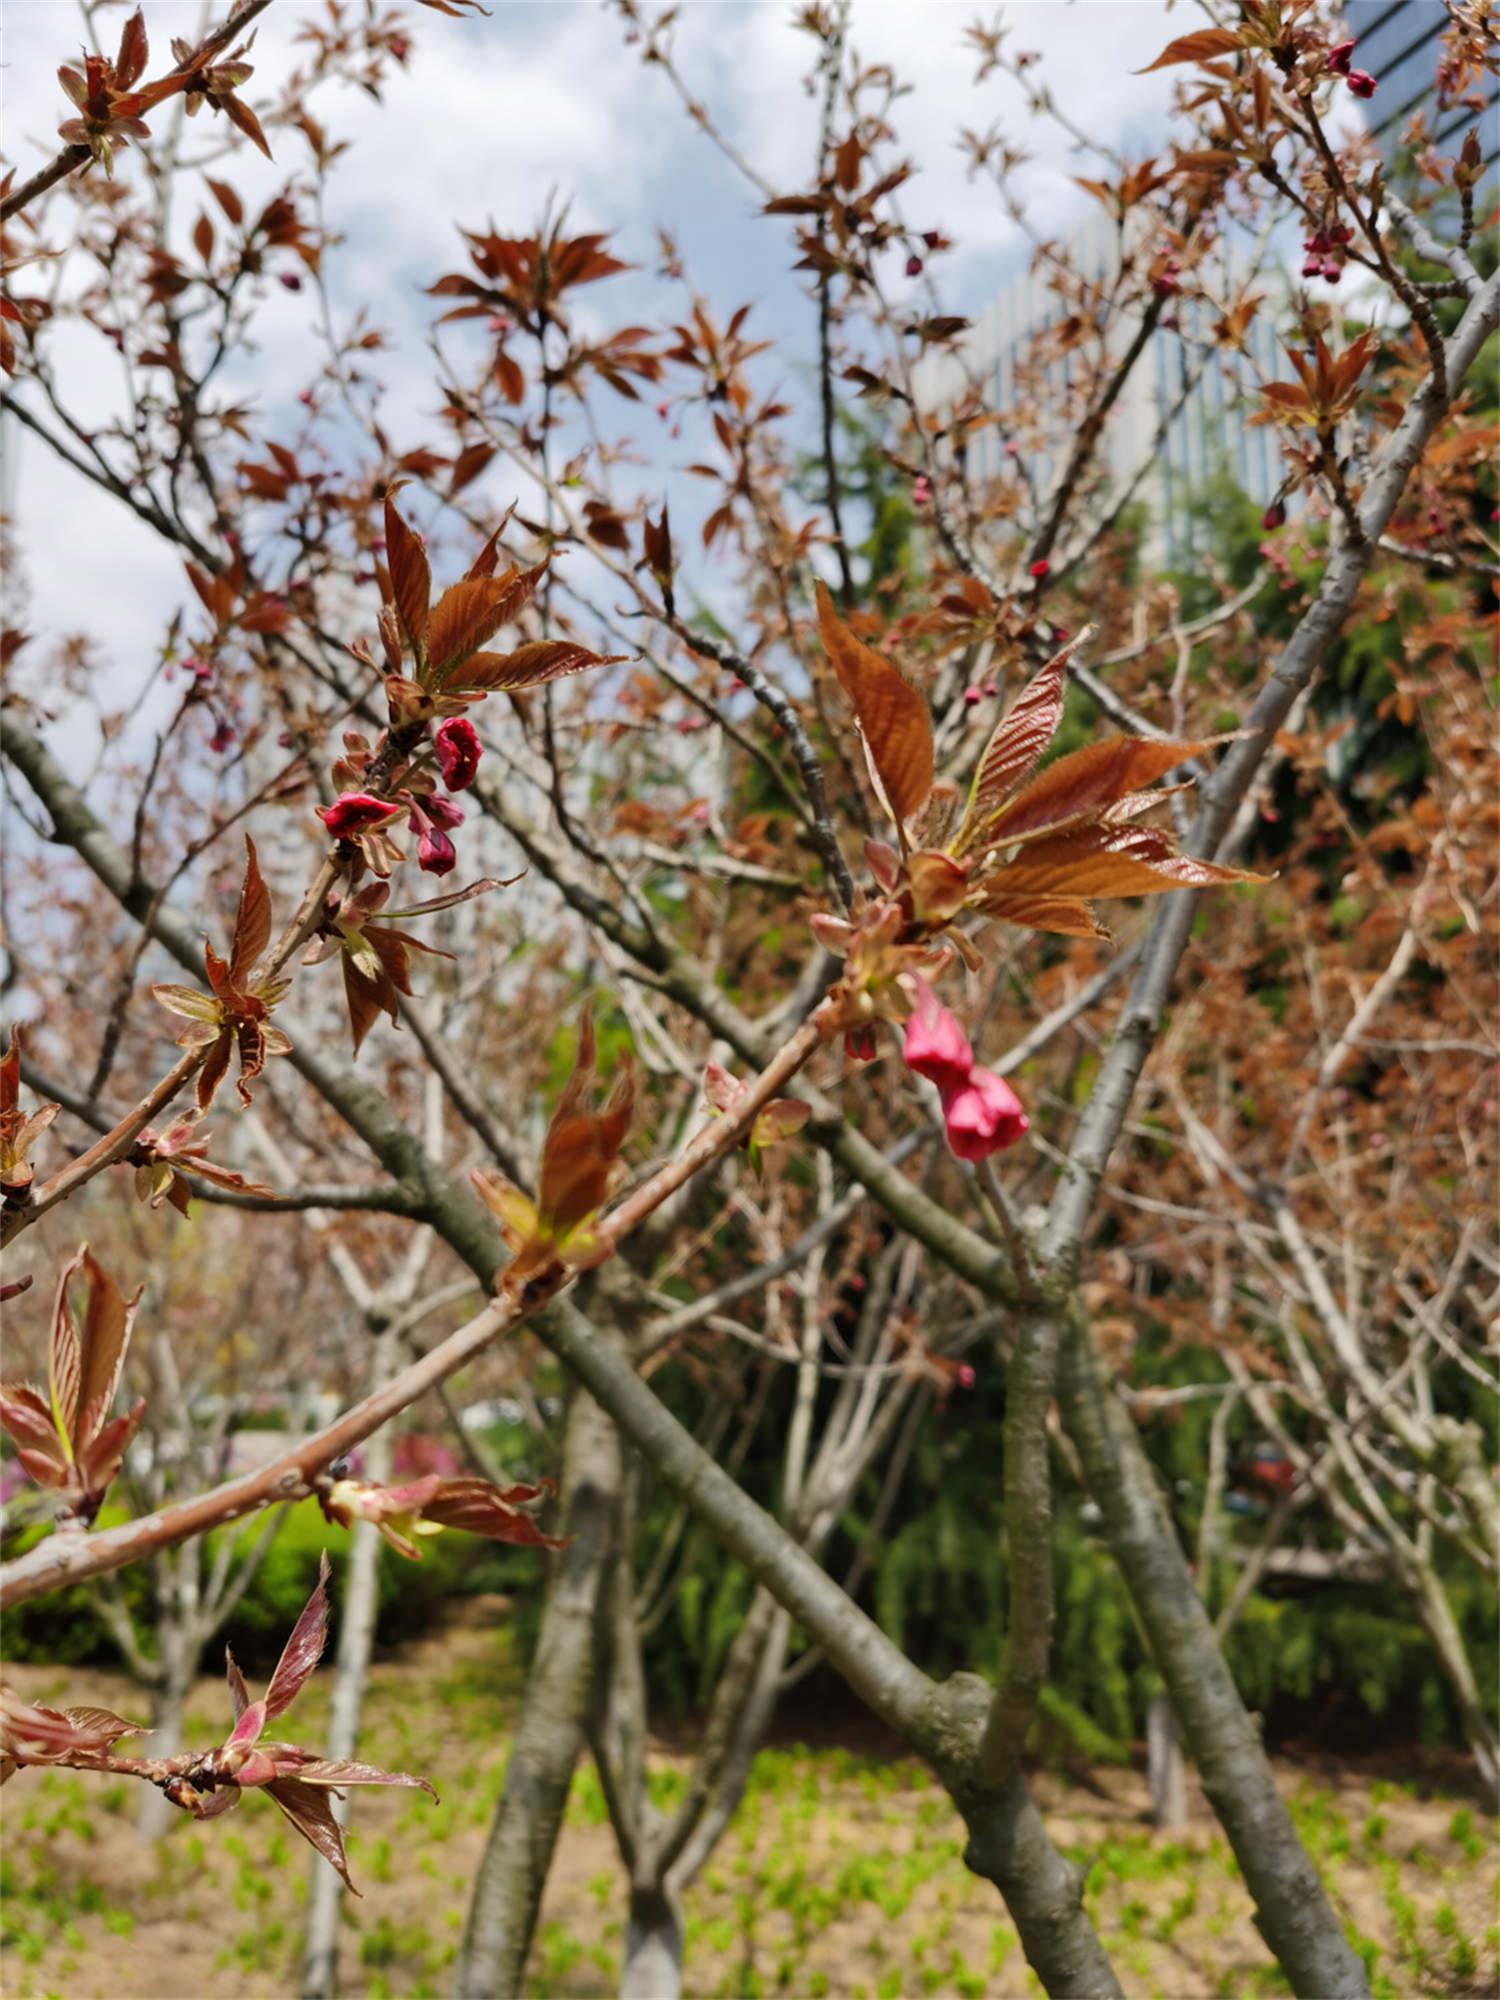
291,281
914,266
983,1116
354,812
458,752
1361,82
936,1046
1039,570
860,1044
1274,516
435,851
1338,57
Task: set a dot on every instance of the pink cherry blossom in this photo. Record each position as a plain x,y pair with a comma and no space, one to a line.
458,752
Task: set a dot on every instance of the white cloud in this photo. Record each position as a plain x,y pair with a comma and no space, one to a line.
491,116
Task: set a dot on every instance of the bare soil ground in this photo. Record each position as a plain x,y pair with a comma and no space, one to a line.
841,1876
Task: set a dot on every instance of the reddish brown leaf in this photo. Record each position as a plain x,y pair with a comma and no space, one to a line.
1063,916
892,716
227,199
239,113
1012,753
1085,783
106,1334
239,1694
252,922
1109,861
134,52
310,1811
530,665
479,1508
1202,46
473,610
468,466
411,578
303,1649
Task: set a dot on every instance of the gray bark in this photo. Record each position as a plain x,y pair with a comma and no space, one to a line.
551,1728
1166,1771
177,1671
945,1724
1292,1910
1441,1627
653,1947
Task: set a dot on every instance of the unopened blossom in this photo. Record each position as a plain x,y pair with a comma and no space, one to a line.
982,1116
936,1046
1338,57
435,851
981,1113
458,752
1361,82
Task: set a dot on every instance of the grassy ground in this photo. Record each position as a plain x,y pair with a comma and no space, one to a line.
841,1876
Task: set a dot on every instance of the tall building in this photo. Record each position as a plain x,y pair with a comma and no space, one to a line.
1183,416
1398,42
1181,420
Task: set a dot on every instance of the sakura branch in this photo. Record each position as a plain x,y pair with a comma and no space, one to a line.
210,1783
554,1237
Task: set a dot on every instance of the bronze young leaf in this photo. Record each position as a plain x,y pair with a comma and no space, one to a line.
66,1439
892,716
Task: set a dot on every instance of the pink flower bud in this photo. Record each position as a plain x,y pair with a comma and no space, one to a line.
1361,82
436,854
983,1116
458,752
921,490
1338,57
936,1046
1274,516
1040,570
291,282
964,1375
914,266
860,1044
442,812
972,695
354,812
932,238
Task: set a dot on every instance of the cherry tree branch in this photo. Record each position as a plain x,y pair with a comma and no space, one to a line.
71,158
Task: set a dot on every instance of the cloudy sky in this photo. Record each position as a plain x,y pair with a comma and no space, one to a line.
493,113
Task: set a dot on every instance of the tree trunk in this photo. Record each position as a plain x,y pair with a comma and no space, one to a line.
1441,1627
1292,1908
1166,1769
325,1891
179,1666
550,1730
653,1947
